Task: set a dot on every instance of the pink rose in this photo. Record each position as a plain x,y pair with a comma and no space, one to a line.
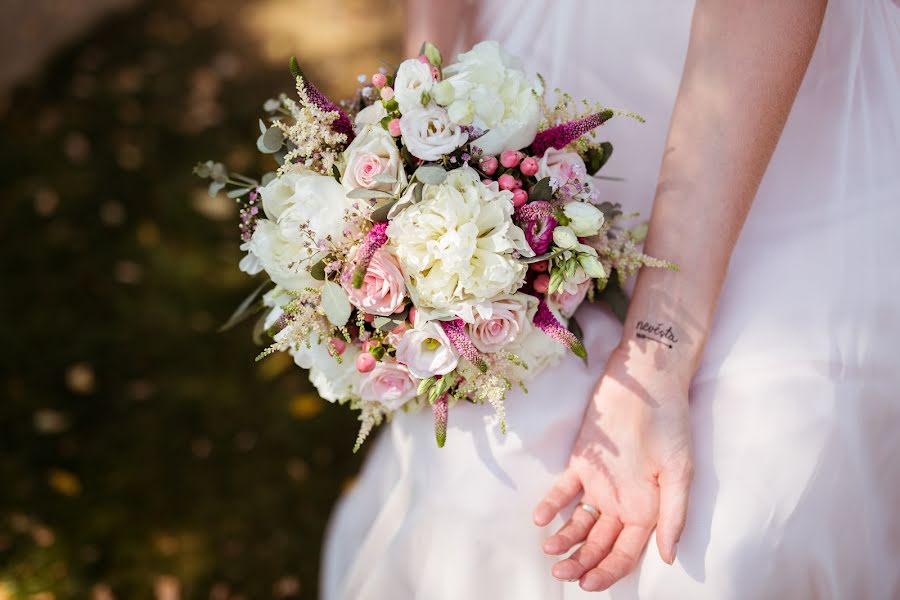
390,384
501,323
567,300
383,289
372,153
561,164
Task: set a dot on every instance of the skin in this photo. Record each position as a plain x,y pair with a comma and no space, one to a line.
632,459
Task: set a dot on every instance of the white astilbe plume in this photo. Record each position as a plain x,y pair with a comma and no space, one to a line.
316,144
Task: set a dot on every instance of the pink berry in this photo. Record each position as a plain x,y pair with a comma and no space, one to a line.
369,318
488,165
519,198
540,267
423,59
338,344
541,285
529,166
517,183
365,362
394,127
510,158
387,93
368,345
379,80
507,182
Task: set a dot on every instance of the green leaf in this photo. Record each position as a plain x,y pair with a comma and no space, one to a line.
377,352
262,127
545,256
379,322
424,385
336,304
542,190
380,214
365,194
385,178
245,308
317,271
614,296
597,156
336,173
431,174
432,54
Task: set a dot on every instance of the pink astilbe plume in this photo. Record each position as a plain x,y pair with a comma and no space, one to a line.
375,239
440,409
340,125
545,320
456,332
564,134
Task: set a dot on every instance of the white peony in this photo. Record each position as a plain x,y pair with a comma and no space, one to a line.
413,79
584,219
488,88
428,133
373,152
458,247
426,350
334,380
303,209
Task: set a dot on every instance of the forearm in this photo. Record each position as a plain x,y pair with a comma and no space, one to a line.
436,21
744,65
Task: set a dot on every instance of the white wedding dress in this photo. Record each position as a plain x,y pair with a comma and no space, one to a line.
796,407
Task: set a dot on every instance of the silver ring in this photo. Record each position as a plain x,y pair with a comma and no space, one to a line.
594,512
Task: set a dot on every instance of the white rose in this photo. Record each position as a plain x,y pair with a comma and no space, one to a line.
561,164
429,134
584,219
413,79
501,322
458,246
502,97
371,115
389,384
426,350
564,237
373,152
269,250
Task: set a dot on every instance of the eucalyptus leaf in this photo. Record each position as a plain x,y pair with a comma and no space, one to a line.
267,178
542,190
431,175
237,193
336,304
385,178
215,187
317,271
365,194
245,308
545,256
381,213
262,127
271,141
379,322
417,194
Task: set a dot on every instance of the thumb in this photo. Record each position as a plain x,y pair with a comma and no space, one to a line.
674,488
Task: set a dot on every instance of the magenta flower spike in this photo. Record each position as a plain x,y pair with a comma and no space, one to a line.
342,124
456,331
537,221
545,320
564,134
375,239
441,411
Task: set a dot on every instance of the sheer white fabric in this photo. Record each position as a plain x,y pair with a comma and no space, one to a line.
796,406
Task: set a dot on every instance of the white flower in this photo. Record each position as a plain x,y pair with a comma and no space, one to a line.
536,350
303,209
429,134
500,323
426,350
413,79
334,380
371,115
389,384
373,152
458,246
561,164
564,237
490,82
584,219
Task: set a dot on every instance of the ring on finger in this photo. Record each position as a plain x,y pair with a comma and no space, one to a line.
591,510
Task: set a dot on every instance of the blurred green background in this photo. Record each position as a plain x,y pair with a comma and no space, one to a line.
142,454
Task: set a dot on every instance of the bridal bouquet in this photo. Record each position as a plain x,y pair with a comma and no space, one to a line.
429,241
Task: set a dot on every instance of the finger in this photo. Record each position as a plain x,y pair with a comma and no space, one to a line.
598,544
674,490
573,532
620,561
562,493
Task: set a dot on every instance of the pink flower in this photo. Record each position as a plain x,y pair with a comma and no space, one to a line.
564,134
383,289
538,222
457,335
427,351
567,302
389,384
503,323
440,411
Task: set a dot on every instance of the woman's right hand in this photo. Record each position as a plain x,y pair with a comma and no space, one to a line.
631,461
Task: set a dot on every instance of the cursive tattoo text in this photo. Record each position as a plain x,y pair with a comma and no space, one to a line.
656,332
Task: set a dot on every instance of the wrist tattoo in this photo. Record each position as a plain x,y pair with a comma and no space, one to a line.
656,332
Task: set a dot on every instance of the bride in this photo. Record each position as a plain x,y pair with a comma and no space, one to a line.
738,438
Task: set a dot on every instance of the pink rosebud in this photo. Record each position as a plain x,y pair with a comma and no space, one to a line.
435,72
488,165
387,93
541,285
540,267
507,182
423,59
379,80
529,166
365,362
510,158
339,345
520,197
394,127
367,346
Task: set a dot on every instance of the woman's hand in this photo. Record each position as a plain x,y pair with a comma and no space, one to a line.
631,461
